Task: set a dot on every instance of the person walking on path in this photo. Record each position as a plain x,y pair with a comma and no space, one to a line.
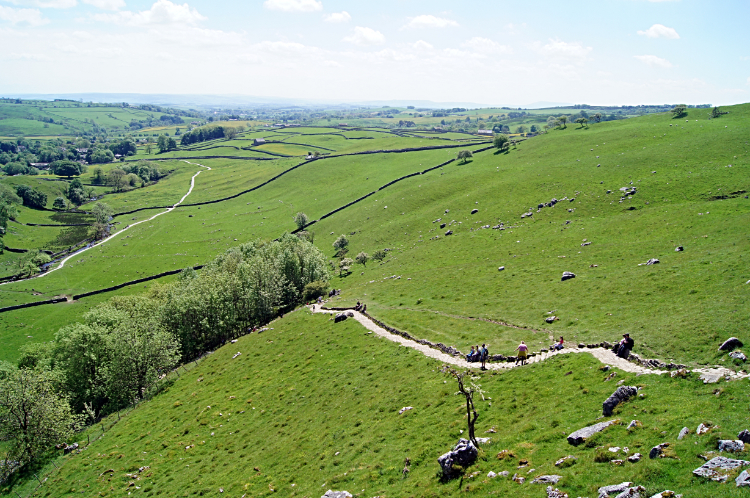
522,350
484,353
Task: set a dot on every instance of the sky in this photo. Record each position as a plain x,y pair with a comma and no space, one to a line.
598,52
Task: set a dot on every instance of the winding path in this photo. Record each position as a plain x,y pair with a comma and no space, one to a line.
169,209
603,355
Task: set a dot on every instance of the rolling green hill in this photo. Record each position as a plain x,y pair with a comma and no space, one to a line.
310,405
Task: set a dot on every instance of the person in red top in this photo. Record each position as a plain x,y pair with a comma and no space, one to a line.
559,345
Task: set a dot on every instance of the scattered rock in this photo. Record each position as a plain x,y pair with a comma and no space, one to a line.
684,432
586,244
404,409
666,494
634,423
70,448
679,249
581,435
340,317
337,494
711,377
442,225
730,344
491,475
463,454
622,394
738,355
744,436
730,445
504,473
519,479
614,489
743,479
551,319
449,232
551,479
717,468
501,268
702,429
555,493
567,276
474,211
657,450
652,261
636,457
566,461
617,462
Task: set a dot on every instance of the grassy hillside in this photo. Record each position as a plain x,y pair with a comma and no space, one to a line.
686,195
309,406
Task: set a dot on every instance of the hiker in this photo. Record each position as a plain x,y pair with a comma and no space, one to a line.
623,348
484,354
559,345
364,308
522,351
470,356
358,306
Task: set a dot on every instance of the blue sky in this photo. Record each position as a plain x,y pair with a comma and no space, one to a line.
490,52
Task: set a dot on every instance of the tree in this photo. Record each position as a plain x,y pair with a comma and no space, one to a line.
33,415
552,121
597,117
501,142
471,412
582,121
300,219
521,129
101,156
162,143
563,119
149,143
98,176
32,197
116,178
59,203
345,265
102,212
341,242
362,258
379,255
679,110
464,156
534,129
171,144
230,132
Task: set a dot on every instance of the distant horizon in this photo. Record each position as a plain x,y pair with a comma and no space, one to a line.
629,52
240,100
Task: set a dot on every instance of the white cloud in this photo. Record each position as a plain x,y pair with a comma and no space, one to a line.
748,81
293,5
653,60
46,4
422,45
486,46
106,4
365,36
660,31
429,21
558,49
17,16
161,12
342,16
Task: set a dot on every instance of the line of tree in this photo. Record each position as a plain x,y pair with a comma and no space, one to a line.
116,355
32,197
211,132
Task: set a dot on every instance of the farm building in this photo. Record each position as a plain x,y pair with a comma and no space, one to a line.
259,141
485,132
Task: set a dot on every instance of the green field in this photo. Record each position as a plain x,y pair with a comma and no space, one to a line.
311,405
308,406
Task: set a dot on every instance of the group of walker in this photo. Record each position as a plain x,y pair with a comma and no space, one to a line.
621,349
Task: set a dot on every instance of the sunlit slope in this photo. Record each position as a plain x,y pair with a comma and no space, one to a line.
190,236
311,405
681,308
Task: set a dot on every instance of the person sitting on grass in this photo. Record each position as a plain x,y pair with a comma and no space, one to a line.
470,356
522,353
623,348
559,345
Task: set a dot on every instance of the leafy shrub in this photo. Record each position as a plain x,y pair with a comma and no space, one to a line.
313,290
